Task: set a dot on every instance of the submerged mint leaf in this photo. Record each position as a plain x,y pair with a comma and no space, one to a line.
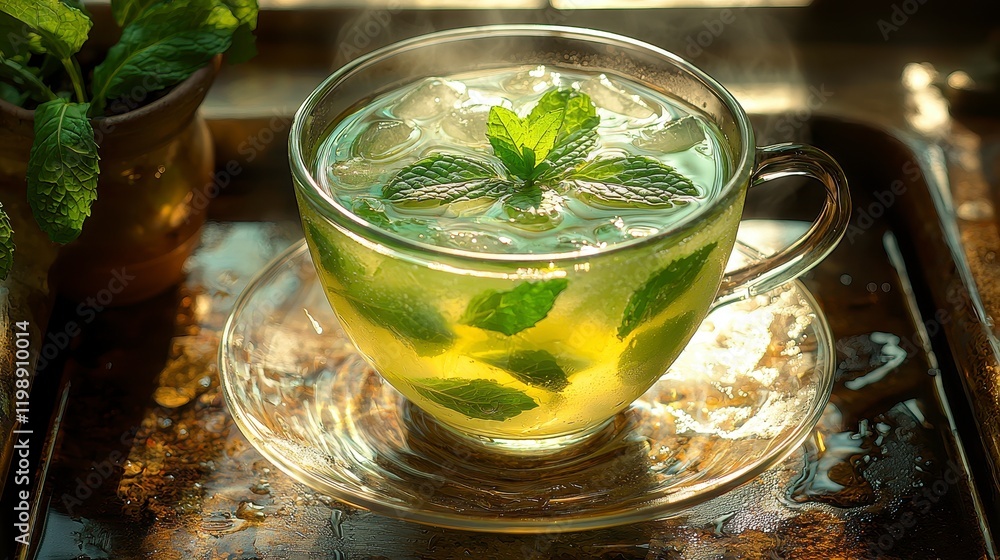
632,181
651,352
62,169
537,368
662,288
444,179
332,260
512,312
405,315
6,245
62,28
483,399
372,210
167,43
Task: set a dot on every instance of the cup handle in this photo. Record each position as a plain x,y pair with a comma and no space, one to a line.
784,160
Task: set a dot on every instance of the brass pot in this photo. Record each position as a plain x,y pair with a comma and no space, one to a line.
156,163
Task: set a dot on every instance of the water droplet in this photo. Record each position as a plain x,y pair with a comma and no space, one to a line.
846,279
261,488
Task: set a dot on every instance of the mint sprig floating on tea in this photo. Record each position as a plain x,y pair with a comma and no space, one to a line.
162,43
548,148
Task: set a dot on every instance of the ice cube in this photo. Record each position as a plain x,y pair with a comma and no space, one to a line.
354,172
431,99
536,80
605,94
674,136
467,124
383,139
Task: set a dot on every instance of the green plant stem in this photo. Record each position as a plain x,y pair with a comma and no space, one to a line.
15,70
76,76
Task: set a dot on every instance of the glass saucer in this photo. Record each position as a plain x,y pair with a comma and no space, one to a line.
746,392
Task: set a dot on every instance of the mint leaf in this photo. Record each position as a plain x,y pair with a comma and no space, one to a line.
537,368
662,288
244,45
405,315
651,352
483,399
163,46
576,108
11,94
127,11
26,82
512,312
371,210
632,181
570,152
62,169
63,29
444,179
541,136
6,245
331,259
17,40
506,132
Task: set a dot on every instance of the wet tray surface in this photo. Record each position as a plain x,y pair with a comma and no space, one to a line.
882,475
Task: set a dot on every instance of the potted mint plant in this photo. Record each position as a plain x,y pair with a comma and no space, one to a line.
120,145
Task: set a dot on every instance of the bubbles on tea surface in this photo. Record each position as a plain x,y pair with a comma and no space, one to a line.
671,137
478,241
384,139
433,98
607,95
527,82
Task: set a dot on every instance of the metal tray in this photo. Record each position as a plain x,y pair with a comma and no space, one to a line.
145,461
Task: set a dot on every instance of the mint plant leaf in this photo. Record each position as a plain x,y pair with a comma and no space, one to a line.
127,11
62,28
632,181
244,45
62,169
444,179
26,82
6,245
165,45
537,368
513,311
17,40
576,108
483,399
662,288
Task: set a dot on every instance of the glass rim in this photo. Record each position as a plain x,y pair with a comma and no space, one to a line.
330,208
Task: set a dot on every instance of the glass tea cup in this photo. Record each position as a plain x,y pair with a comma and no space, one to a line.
616,317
